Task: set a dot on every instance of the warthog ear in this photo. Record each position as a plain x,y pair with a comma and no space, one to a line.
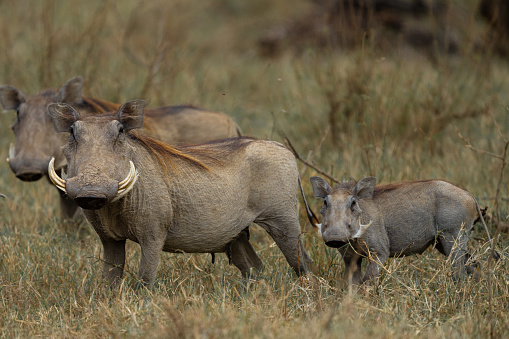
71,91
131,114
321,188
63,116
11,97
364,188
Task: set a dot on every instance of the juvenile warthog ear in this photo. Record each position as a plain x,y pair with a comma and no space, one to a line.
131,114
63,116
71,91
321,188
11,97
364,188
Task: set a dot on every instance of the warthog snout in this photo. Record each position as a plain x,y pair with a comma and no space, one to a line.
29,175
91,197
91,202
28,170
335,243
96,195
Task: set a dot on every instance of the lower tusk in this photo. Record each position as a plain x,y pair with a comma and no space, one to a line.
362,229
319,227
53,176
128,183
12,152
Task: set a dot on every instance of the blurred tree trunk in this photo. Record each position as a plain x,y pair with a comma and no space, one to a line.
497,14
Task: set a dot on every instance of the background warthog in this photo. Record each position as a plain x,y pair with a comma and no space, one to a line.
395,220
36,141
199,198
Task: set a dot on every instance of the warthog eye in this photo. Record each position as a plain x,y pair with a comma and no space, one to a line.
15,121
121,129
352,205
325,205
71,133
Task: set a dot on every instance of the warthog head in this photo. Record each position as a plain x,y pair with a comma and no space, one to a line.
35,141
98,153
341,211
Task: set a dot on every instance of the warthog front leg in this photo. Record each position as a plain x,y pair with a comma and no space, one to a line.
353,262
373,267
244,257
149,261
113,261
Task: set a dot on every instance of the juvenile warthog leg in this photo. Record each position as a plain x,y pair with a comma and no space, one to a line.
244,257
113,260
353,263
373,267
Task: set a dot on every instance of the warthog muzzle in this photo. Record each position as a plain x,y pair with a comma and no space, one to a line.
93,197
26,169
29,175
336,243
91,202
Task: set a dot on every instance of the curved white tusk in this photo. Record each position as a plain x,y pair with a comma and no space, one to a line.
53,176
362,229
127,184
12,152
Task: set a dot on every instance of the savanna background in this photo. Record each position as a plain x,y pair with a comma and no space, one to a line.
397,96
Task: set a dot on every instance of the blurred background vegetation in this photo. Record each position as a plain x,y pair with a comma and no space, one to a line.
394,89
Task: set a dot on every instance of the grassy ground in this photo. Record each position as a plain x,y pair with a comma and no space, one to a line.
352,113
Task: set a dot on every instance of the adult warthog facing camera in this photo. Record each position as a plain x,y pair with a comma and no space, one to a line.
199,198
36,141
400,219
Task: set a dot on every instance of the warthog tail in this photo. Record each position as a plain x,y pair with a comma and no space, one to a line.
311,215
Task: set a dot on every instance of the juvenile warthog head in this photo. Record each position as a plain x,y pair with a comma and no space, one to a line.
35,140
341,211
98,153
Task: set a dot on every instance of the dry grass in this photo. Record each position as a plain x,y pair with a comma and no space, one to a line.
392,116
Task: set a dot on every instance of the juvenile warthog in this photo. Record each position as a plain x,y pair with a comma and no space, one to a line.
395,220
36,141
199,198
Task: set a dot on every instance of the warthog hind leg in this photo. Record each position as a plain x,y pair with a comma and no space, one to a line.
286,233
453,246
243,256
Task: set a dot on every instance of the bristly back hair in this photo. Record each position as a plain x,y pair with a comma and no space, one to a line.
199,155
379,189
165,152
99,105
